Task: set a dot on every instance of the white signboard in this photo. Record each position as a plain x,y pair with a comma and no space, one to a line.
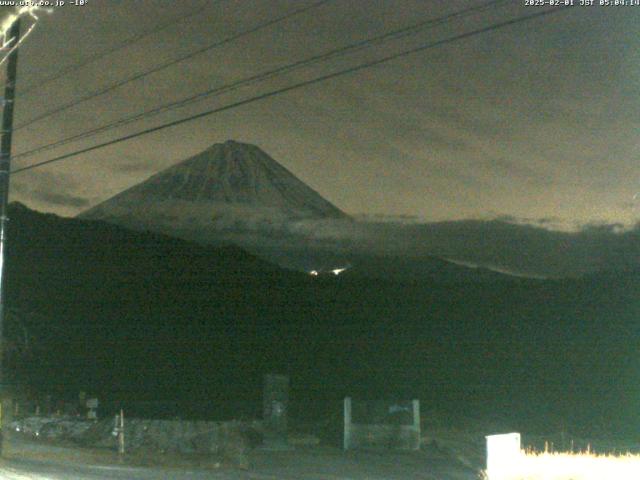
503,454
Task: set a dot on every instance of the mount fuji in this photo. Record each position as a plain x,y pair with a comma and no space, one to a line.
231,191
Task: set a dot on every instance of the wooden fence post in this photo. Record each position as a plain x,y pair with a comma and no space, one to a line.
121,434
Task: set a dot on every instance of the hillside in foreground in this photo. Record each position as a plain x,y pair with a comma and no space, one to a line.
135,316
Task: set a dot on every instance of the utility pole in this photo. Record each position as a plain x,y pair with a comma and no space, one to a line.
5,169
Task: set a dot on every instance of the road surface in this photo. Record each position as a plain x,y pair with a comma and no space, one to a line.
303,465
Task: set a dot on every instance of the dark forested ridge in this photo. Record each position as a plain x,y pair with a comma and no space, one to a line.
143,316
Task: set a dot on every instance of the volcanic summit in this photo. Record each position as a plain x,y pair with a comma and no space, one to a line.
229,187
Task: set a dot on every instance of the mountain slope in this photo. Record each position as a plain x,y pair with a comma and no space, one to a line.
230,186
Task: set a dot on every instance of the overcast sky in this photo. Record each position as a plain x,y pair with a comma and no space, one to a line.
537,122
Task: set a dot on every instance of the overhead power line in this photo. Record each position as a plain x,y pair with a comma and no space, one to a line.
170,63
297,86
120,46
351,48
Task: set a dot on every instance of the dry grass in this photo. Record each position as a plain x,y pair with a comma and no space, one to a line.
569,466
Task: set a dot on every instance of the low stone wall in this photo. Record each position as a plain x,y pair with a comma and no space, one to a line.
51,428
403,437
179,436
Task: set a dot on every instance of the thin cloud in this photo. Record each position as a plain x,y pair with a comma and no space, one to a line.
60,199
55,189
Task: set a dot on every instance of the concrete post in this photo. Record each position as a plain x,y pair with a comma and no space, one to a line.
416,422
347,423
275,410
121,434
